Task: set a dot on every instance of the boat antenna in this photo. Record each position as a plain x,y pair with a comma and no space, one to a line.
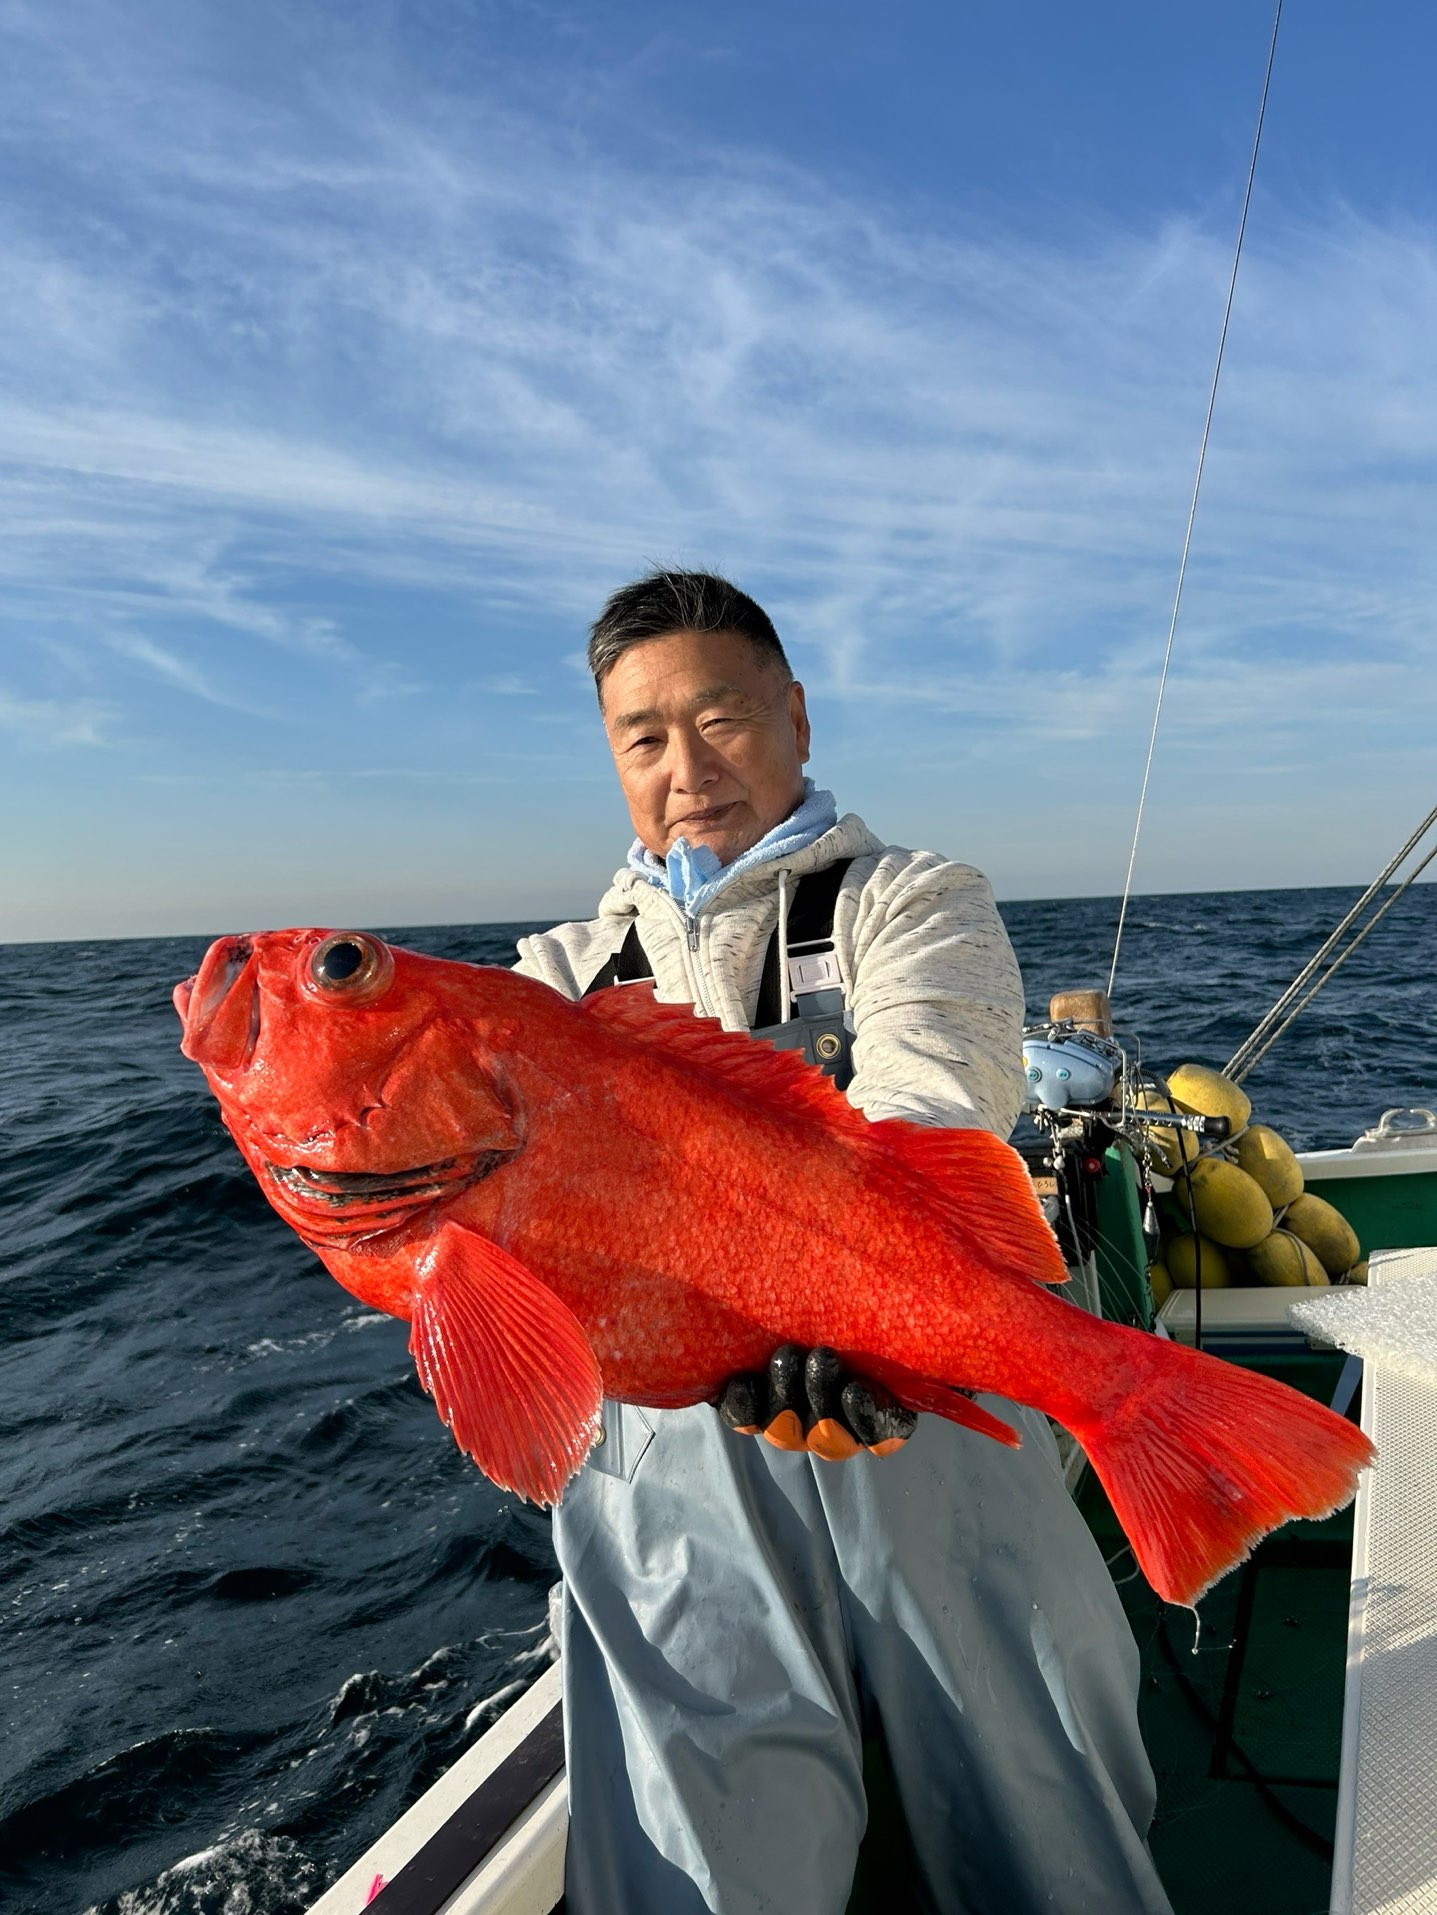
1197,487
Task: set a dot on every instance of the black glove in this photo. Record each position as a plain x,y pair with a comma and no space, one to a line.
807,1400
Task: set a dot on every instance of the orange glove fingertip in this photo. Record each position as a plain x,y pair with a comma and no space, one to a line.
830,1440
785,1432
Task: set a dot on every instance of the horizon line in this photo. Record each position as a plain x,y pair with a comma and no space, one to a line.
496,924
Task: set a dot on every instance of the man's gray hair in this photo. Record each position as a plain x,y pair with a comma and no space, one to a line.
667,602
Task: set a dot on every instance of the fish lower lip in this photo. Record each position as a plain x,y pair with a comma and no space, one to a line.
352,1189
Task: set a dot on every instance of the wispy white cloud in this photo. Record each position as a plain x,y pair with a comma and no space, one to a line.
509,685
52,721
172,669
986,443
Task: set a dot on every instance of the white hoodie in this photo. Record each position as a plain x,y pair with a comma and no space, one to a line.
929,977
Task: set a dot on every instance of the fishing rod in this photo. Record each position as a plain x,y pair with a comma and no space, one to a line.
1271,1027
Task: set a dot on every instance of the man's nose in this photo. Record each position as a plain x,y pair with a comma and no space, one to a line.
692,763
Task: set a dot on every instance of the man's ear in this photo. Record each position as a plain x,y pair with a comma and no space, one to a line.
798,713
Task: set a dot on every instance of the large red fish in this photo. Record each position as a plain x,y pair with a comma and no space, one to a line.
614,1196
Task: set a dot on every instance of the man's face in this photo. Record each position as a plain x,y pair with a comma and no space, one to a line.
709,740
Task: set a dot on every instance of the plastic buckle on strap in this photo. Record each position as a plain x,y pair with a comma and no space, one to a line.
813,971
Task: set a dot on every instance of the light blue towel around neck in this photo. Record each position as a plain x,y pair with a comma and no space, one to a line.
692,874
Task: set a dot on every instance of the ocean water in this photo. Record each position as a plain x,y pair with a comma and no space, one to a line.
253,1598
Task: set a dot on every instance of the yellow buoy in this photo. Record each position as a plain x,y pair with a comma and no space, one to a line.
1283,1258
1181,1259
1160,1283
1270,1163
1229,1206
1171,1147
1195,1087
1325,1231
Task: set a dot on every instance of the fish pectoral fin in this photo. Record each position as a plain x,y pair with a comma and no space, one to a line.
507,1363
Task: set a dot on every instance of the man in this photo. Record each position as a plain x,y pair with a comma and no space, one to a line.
740,1618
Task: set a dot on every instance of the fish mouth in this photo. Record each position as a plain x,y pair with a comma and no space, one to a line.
365,1203
221,1017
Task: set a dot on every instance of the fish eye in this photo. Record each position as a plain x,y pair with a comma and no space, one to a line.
350,966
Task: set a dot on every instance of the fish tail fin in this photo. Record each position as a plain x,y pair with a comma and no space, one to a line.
1202,1459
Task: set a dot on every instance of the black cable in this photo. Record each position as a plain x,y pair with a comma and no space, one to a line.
1197,1258
1309,1837
1185,1174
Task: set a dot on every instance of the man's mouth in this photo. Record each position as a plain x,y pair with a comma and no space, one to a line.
701,820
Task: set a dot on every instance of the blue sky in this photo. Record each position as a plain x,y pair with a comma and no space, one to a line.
353,352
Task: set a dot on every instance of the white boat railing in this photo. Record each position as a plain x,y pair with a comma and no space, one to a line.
487,1839
1385,1860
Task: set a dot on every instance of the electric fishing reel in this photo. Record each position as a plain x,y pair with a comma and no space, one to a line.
1069,1069
1084,1095
1077,1074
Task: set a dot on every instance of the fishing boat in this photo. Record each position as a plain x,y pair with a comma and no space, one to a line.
1291,1742
1291,1737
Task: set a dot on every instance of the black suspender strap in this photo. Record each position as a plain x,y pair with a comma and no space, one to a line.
628,965
810,926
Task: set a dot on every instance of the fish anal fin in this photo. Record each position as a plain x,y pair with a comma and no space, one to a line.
941,1399
780,1079
507,1363
982,1187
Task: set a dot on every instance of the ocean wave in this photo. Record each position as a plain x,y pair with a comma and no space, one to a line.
247,1873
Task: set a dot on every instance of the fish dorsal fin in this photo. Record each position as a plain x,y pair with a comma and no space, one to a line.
779,1078
982,1187
976,1182
507,1363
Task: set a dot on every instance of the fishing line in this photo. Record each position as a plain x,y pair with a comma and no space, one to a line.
1192,509
1120,1582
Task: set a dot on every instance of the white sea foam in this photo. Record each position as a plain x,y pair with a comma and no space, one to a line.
489,1708
246,1873
286,1346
